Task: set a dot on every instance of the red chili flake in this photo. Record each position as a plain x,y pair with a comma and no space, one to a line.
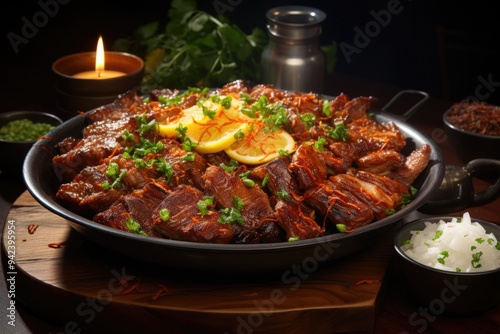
161,291
134,286
125,280
32,228
249,294
57,244
367,281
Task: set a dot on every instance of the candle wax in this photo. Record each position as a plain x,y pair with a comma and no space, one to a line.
98,75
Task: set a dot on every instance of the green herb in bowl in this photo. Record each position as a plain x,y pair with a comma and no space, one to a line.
24,130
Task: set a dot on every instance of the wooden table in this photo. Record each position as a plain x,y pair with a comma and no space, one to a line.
389,307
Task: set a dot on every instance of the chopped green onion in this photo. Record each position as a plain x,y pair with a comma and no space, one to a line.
341,227
283,194
134,226
24,130
205,203
164,214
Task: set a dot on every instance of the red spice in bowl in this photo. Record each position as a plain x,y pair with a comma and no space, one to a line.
473,129
476,117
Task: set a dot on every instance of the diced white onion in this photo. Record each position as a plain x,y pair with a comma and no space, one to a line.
457,246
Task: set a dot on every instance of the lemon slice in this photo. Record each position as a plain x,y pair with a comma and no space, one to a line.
188,117
219,133
261,146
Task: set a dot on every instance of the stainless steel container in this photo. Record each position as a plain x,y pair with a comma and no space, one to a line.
293,59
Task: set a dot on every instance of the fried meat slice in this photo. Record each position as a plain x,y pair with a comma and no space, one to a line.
256,208
295,221
381,162
309,167
133,212
339,206
414,165
178,217
85,194
292,215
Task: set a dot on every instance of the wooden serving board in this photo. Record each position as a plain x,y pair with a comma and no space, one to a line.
79,285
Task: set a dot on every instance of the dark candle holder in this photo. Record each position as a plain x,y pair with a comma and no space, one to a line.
81,94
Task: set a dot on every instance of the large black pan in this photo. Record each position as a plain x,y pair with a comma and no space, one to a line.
43,183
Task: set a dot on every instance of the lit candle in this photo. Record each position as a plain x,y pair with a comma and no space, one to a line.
99,72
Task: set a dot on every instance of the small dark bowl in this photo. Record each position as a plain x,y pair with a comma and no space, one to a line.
14,152
470,145
447,292
66,67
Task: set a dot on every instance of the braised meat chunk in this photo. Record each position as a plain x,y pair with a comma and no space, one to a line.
178,217
133,212
247,208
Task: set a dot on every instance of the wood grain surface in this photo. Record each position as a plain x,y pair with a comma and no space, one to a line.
79,285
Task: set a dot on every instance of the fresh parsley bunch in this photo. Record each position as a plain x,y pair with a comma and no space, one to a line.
195,49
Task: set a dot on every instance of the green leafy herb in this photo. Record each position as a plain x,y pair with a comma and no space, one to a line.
164,167
293,238
207,112
181,131
188,144
134,227
476,258
205,203
407,198
282,152
341,227
283,194
309,119
195,49
144,125
115,174
189,157
265,180
274,116
444,255
233,164
246,98
326,108
239,135
338,133
232,215
113,170
126,135
437,235
164,214
226,102
320,143
246,181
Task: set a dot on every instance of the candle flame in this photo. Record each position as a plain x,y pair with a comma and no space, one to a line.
99,59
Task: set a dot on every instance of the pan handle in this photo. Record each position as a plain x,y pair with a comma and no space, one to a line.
481,165
424,97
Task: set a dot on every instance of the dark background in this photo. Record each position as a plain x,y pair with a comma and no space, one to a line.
445,48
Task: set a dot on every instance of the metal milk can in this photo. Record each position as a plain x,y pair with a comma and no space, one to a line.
293,59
